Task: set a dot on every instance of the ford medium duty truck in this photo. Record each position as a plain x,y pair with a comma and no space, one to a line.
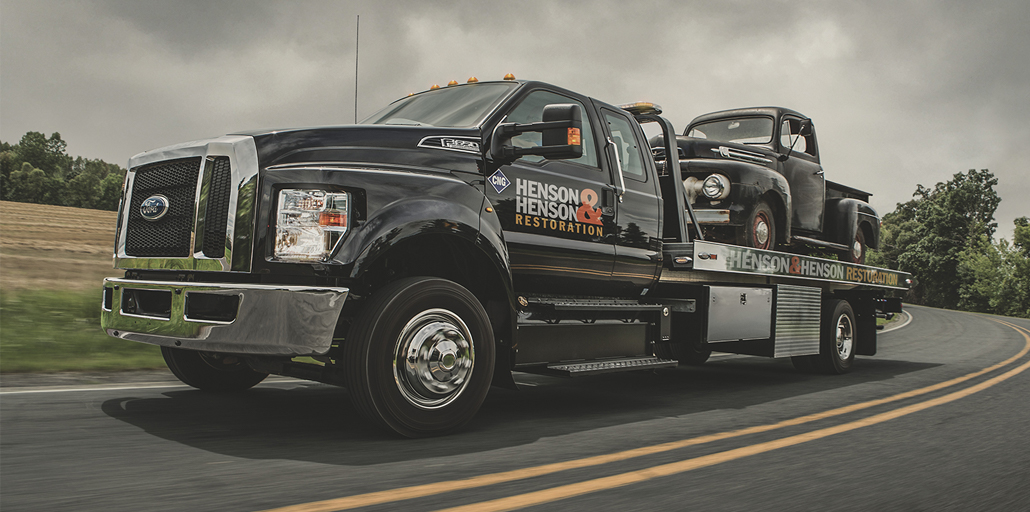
454,237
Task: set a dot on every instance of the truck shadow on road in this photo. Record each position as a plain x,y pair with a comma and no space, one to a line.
316,423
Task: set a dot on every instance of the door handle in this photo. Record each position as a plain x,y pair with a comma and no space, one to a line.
607,201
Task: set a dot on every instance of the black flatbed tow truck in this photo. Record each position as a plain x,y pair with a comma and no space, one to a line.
454,237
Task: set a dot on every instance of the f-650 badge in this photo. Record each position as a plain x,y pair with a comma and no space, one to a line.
154,207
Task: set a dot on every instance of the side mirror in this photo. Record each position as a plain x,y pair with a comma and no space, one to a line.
561,135
806,128
803,131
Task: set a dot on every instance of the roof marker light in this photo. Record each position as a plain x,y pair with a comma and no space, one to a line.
472,80
642,107
434,87
452,82
509,76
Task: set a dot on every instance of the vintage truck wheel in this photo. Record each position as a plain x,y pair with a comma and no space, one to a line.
211,372
858,249
760,230
419,358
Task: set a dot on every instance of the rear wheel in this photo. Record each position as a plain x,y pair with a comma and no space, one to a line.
210,371
837,340
420,357
760,229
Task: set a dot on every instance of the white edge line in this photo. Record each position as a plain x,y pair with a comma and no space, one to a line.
112,388
907,321
169,385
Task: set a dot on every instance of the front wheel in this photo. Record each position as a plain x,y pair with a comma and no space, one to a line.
209,371
760,229
420,357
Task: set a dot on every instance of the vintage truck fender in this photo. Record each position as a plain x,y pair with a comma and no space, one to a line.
748,184
844,216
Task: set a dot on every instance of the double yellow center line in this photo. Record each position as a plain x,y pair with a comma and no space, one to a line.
623,479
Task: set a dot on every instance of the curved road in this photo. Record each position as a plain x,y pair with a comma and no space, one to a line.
938,420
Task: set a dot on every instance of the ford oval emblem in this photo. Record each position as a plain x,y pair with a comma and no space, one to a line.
154,207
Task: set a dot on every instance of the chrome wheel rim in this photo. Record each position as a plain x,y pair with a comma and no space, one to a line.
761,232
845,337
433,359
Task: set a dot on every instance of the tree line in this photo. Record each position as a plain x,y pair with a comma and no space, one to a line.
38,169
944,237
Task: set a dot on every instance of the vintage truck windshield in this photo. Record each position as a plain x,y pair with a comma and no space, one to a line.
746,130
451,107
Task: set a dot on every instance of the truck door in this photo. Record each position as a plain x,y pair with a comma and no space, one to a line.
805,176
559,235
637,219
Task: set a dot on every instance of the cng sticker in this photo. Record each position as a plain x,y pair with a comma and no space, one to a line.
499,181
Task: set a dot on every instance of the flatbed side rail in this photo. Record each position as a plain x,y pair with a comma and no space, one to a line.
701,256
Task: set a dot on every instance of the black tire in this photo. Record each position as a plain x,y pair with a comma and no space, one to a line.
837,339
685,353
211,372
760,230
420,357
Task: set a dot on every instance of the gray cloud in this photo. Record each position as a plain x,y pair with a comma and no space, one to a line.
902,92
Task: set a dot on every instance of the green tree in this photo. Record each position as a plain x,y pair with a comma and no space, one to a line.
30,185
45,153
951,217
995,278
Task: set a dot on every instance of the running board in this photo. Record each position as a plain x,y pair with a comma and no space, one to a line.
599,366
820,243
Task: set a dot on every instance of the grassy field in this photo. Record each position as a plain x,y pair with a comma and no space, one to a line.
52,262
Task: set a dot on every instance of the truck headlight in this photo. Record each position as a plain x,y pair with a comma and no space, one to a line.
310,223
716,186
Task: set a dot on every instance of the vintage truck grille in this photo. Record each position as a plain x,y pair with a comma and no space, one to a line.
170,235
216,218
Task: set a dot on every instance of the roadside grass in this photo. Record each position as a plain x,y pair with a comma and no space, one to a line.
52,262
47,331
883,321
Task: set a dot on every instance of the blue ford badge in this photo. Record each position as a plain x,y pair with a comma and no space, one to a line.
154,207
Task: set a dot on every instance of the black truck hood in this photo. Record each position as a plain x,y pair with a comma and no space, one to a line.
415,145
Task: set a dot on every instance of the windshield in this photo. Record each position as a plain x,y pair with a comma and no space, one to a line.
451,107
747,130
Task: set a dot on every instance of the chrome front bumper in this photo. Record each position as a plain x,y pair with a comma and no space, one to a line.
223,317
705,216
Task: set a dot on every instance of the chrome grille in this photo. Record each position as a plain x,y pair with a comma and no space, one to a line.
171,234
216,217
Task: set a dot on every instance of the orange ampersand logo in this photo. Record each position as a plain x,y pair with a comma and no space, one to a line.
586,212
795,265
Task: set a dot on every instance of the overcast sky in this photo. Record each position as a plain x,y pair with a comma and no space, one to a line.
901,92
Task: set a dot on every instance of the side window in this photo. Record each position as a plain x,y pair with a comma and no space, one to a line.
531,110
789,131
626,148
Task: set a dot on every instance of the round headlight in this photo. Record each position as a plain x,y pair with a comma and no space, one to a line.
716,186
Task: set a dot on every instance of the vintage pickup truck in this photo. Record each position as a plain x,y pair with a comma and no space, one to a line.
754,179
456,236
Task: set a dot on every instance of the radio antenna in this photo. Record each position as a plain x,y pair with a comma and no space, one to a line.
357,41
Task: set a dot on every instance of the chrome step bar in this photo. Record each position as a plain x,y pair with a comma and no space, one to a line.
599,366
